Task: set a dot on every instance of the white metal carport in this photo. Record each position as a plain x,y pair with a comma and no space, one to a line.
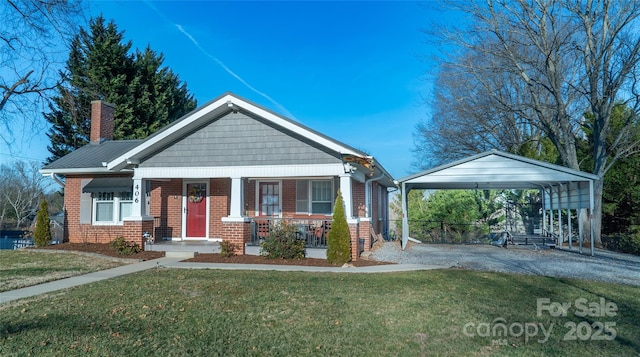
561,187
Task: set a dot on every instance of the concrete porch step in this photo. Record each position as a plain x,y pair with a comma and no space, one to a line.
185,255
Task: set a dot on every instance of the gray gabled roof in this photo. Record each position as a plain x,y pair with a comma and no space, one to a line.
119,154
92,155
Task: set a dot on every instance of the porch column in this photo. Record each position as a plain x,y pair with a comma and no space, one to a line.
235,227
405,215
237,197
345,189
139,194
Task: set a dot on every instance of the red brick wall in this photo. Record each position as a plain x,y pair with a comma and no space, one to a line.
166,208
102,121
353,231
219,204
357,196
288,196
365,233
238,233
72,231
88,233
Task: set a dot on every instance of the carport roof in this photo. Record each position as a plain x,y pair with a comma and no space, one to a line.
562,188
495,170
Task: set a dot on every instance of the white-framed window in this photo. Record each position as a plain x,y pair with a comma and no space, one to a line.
315,196
111,207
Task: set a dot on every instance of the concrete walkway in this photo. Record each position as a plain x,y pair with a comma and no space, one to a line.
169,262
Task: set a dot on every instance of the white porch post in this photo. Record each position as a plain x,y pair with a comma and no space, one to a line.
569,224
345,189
237,197
405,216
544,211
591,205
579,213
560,228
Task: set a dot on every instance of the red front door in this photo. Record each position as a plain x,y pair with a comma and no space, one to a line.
196,209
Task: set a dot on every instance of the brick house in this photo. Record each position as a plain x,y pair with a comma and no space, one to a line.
227,171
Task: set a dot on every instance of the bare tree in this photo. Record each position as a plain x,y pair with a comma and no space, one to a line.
563,59
33,46
21,190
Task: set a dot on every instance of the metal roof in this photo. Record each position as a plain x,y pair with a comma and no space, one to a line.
109,184
562,187
495,170
91,156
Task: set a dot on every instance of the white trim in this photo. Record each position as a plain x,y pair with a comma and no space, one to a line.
91,170
278,171
184,210
236,219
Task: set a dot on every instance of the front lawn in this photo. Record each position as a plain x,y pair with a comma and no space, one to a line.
172,312
22,268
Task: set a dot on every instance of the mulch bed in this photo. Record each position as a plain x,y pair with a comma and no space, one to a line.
258,259
105,249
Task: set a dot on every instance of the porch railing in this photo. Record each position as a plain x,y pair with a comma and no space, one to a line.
312,231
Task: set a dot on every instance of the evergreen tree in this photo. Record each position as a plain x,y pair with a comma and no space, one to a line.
147,95
339,238
42,233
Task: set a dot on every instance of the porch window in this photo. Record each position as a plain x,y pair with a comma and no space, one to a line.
314,196
269,198
111,207
321,196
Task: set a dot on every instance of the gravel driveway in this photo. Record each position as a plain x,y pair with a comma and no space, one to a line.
605,266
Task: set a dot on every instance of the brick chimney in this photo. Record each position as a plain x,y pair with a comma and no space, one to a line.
101,121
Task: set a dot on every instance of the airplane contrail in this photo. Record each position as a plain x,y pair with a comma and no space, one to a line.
218,61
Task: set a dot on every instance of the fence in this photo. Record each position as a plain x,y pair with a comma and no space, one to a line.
15,239
312,231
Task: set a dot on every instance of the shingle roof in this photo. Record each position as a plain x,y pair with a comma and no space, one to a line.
93,155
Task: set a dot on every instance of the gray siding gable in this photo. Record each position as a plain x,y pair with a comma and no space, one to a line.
240,139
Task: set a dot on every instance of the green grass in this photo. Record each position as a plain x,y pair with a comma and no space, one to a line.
165,312
21,268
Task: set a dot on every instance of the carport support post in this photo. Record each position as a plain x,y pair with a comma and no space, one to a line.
569,224
591,204
580,232
405,219
544,211
579,214
560,229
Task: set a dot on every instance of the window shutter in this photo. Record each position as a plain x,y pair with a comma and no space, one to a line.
85,203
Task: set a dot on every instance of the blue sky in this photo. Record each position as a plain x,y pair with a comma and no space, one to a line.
351,70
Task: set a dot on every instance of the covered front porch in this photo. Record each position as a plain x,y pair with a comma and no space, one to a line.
242,209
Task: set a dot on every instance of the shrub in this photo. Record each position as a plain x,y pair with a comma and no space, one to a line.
339,239
283,242
228,249
125,247
630,243
42,233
